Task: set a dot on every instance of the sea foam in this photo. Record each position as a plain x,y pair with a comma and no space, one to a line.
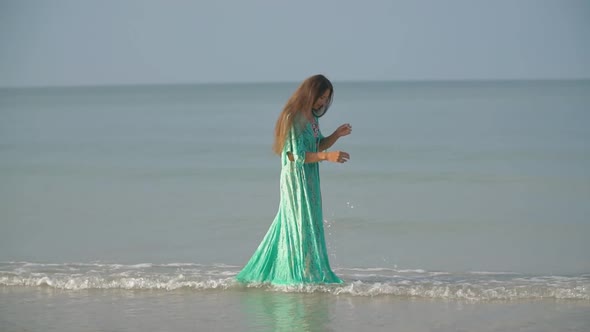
416,283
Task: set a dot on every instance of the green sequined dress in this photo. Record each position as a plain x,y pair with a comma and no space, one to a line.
293,251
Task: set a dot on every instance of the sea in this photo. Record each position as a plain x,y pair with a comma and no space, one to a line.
465,206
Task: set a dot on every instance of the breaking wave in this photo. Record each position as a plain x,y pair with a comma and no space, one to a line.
418,283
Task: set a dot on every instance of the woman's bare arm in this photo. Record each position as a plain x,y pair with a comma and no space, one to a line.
314,157
328,141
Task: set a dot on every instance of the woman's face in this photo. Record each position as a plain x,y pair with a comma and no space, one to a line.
321,102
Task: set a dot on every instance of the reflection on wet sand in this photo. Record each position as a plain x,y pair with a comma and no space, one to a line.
275,311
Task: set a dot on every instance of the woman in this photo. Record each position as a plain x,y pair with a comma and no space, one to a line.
294,248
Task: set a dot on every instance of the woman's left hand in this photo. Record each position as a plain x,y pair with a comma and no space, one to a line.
343,130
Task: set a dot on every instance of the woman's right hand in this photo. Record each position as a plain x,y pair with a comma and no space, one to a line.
337,156
343,130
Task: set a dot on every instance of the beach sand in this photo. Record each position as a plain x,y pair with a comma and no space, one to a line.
47,309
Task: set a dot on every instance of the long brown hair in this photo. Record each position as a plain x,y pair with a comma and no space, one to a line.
302,100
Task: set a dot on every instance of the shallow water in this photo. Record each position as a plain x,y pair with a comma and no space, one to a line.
463,204
47,309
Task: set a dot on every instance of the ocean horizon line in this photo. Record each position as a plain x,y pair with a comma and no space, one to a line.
259,83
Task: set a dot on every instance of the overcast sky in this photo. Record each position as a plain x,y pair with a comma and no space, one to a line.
81,42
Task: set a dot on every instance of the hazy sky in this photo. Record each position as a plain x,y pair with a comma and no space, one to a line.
60,42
